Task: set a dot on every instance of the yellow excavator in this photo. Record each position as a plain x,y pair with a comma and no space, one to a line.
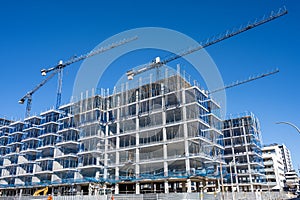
37,193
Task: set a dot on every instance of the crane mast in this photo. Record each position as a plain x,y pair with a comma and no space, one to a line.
57,69
59,87
28,95
228,34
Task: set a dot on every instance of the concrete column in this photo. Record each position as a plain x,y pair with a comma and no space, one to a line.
117,172
104,188
165,146
137,136
165,152
178,78
117,188
118,141
185,131
81,104
166,186
90,189
163,103
206,183
106,144
126,98
137,160
150,86
189,185
233,157
137,188
247,154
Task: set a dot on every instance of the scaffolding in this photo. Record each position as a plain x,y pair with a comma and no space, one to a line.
159,132
243,153
154,130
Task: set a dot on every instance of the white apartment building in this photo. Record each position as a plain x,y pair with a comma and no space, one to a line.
287,159
274,167
292,181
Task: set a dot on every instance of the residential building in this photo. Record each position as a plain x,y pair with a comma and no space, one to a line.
287,159
243,153
292,181
4,122
152,134
274,167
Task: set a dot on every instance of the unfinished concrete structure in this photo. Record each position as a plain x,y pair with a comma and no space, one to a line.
243,154
153,134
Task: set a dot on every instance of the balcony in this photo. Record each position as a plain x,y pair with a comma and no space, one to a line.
48,134
44,159
25,174
64,156
269,163
69,143
47,146
29,151
269,169
270,176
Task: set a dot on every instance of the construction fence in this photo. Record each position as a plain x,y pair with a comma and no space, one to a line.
162,196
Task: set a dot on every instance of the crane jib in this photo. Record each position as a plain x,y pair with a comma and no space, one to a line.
56,69
209,42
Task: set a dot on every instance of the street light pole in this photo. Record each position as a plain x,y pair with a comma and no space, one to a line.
289,123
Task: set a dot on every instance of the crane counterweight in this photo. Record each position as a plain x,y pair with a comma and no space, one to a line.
21,101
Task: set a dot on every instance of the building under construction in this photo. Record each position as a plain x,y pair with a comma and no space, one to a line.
157,133
243,154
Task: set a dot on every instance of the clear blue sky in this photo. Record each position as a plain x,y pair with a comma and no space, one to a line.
36,34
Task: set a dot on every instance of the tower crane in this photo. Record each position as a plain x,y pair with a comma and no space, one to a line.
228,34
57,69
237,83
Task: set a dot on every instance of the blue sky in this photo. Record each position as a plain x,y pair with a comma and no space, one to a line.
36,34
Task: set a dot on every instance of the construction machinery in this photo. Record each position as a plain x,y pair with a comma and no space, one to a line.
237,83
57,69
44,190
228,34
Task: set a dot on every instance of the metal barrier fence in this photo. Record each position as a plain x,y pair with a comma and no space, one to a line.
161,196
